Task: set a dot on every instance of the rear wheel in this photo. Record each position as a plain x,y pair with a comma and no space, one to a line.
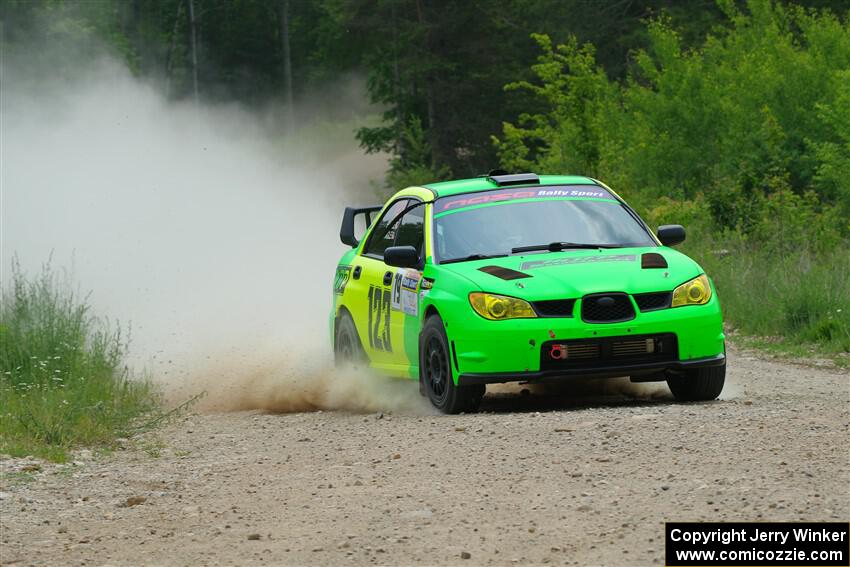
435,372
347,349
699,384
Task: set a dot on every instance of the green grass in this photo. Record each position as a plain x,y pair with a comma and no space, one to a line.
783,277
63,381
789,349
796,302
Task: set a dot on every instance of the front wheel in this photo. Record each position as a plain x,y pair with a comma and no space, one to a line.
699,384
435,372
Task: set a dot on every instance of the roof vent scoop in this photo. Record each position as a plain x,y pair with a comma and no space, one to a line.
503,179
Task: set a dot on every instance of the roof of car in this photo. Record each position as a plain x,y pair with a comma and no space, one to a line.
460,186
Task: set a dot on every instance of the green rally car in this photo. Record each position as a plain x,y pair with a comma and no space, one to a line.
520,277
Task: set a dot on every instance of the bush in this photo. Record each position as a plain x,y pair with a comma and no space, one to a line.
63,381
413,166
744,140
784,274
801,298
761,105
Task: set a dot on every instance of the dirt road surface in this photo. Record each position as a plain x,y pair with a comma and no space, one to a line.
530,480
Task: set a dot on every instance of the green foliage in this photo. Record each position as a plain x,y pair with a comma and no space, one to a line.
761,105
745,139
786,278
62,376
65,32
412,166
570,136
832,152
803,297
442,61
733,118
446,62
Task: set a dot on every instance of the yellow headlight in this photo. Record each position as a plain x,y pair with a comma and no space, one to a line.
498,307
695,292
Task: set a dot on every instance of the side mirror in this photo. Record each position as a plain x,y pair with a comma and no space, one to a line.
671,234
401,257
346,231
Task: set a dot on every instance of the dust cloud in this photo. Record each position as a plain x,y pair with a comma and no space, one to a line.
215,237
210,233
276,383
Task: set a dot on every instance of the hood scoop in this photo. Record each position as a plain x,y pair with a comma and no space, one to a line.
652,260
504,273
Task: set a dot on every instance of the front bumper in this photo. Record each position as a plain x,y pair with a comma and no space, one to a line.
505,351
647,368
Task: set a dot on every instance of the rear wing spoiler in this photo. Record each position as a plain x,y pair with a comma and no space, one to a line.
346,231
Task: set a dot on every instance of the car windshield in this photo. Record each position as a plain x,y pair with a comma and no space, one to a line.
486,225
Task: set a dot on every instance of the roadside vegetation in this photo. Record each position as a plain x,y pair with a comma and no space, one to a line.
744,139
789,292
63,381
731,118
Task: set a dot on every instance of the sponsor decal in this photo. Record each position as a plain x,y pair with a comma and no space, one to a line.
580,260
409,297
470,199
343,274
410,280
405,287
396,301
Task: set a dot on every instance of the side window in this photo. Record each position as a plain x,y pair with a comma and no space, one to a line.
384,233
411,230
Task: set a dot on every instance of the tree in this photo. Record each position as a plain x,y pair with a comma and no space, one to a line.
283,8
193,28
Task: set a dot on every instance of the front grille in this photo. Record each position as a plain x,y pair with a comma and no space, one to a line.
653,301
607,308
608,351
555,307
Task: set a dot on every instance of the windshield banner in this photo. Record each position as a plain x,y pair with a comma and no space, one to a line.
470,199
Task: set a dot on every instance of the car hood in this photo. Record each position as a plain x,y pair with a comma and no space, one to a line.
575,273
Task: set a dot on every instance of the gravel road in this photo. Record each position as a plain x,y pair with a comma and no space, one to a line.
564,480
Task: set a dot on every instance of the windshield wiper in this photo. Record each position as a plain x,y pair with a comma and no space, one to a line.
472,257
558,246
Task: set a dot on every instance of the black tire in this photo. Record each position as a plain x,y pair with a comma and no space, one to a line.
436,374
699,384
347,348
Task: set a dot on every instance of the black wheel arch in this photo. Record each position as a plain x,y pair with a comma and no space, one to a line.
430,311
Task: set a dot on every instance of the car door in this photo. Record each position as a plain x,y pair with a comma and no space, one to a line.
404,304
370,289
